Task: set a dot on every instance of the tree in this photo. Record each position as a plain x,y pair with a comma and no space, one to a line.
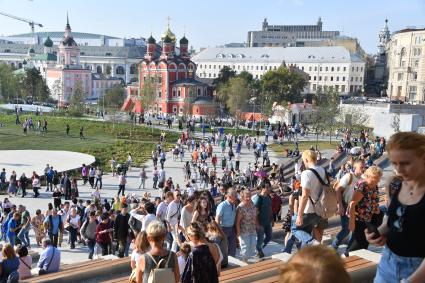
76,102
224,75
395,124
327,109
57,89
188,100
35,86
148,95
282,85
235,93
10,83
115,96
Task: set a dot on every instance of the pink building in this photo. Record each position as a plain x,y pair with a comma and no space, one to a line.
68,73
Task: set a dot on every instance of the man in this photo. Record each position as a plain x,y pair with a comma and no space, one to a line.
307,220
99,174
12,228
263,203
63,213
23,235
121,184
67,129
121,230
49,179
2,178
135,221
344,193
172,217
161,209
66,186
54,225
225,217
49,259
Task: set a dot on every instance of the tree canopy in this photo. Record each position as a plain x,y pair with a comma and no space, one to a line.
224,75
115,96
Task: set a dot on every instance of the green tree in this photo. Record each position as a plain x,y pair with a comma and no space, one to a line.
235,93
115,96
10,83
224,75
76,102
34,85
326,112
148,94
282,85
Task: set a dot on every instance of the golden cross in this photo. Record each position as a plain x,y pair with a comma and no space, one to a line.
168,22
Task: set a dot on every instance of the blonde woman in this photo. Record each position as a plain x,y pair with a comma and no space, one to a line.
9,265
403,232
38,226
364,208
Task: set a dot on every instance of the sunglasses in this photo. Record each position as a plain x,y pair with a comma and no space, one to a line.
400,212
178,195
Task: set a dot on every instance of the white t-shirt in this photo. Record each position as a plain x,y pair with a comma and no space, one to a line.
182,263
310,181
146,220
161,210
74,220
348,187
135,256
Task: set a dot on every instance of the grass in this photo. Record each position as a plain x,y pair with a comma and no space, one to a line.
303,145
103,139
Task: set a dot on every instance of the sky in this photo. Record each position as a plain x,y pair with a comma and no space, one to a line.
209,23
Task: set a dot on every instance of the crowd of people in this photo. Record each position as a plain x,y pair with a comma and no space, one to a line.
190,231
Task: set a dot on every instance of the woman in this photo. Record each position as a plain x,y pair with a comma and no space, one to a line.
186,214
12,184
74,188
246,215
203,258
35,184
202,211
10,264
103,234
38,226
364,208
74,223
216,235
141,246
25,262
143,177
156,235
402,232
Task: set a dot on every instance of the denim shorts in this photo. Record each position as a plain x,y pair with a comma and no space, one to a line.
392,268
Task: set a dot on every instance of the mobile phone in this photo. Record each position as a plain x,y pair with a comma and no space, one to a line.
373,229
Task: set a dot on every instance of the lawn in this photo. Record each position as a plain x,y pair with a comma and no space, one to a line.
103,139
303,145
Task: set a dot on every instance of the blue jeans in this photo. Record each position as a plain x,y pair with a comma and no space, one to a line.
90,245
299,237
264,235
231,239
392,268
343,233
248,243
11,239
24,237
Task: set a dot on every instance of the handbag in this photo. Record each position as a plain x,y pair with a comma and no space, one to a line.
133,276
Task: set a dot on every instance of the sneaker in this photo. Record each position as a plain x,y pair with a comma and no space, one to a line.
260,254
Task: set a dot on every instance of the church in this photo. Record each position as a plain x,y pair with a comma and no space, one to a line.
170,74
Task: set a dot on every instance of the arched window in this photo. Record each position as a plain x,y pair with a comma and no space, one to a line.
402,55
133,69
199,92
108,70
120,70
99,69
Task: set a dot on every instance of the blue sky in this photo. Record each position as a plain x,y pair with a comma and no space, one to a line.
211,23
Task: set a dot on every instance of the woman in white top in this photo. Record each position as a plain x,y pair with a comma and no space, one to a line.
73,225
141,245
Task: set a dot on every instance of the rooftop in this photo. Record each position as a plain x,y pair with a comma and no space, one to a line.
59,34
337,54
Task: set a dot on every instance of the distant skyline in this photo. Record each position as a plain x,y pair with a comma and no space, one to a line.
211,23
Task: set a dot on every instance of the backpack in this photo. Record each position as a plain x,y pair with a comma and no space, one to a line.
326,204
13,277
161,275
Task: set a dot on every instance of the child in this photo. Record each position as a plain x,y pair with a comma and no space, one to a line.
182,255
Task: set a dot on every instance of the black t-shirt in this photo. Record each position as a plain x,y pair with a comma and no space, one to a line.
408,240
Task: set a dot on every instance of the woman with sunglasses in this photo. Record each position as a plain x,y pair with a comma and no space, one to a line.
403,232
364,208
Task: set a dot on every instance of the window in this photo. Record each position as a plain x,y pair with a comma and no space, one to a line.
332,69
314,78
133,69
314,87
302,68
178,93
174,93
309,78
343,88
399,76
326,69
345,69
337,69
159,94
332,79
261,68
320,69
120,70
174,109
315,68
337,79
326,78
256,67
199,92
415,76
357,79
309,69
352,79
357,69
416,63
412,93
320,78
215,66
343,79
337,88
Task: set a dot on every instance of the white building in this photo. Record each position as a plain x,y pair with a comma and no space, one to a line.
333,66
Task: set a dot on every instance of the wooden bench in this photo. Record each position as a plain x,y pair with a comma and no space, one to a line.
83,271
353,264
251,272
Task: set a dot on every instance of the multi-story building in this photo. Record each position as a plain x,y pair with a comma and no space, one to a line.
172,76
288,35
406,65
333,66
